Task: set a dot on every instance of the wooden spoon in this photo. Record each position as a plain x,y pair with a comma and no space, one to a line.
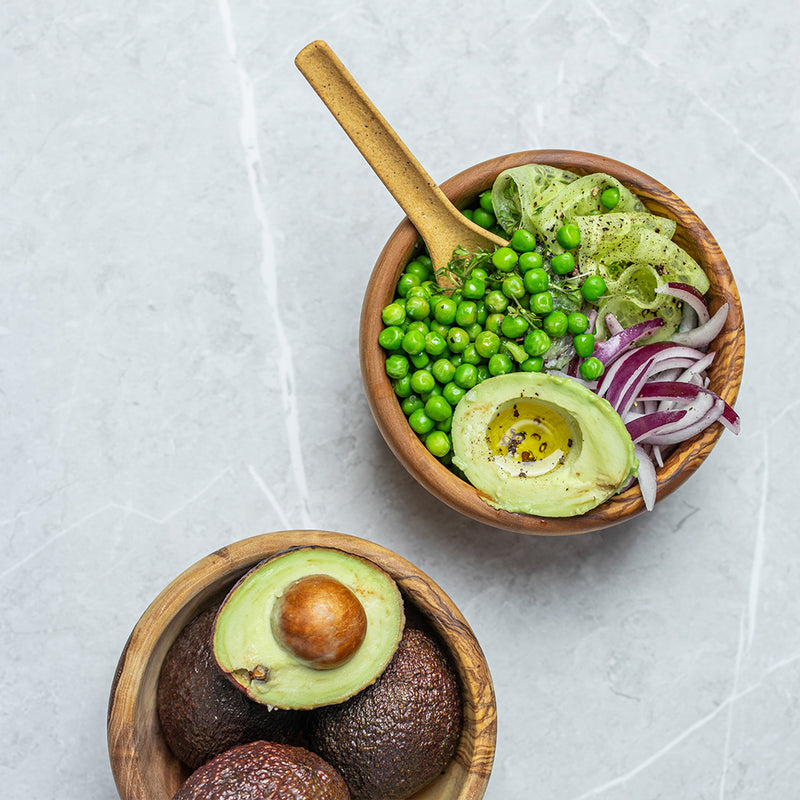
441,225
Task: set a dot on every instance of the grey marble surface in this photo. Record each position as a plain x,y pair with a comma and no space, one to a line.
185,237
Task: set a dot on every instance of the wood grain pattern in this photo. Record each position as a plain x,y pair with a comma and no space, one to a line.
142,764
725,373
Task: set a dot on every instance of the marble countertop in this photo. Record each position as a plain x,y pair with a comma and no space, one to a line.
185,238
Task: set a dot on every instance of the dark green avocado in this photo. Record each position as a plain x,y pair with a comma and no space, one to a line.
201,712
398,734
264,771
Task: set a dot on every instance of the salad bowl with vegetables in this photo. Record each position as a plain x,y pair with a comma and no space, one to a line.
609,285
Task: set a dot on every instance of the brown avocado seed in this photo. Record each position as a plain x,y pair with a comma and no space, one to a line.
320,621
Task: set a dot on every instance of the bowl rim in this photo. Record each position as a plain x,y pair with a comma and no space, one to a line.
725,373
193,588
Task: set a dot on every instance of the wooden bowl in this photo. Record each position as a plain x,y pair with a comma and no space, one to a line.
144,767
725,373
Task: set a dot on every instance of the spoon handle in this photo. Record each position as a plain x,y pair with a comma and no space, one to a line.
410,185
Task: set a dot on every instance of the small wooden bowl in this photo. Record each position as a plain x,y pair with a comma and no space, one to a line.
725,373
142,763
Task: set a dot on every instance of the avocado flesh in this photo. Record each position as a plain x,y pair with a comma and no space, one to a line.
396,736
248,651
590,456
202,714
264,771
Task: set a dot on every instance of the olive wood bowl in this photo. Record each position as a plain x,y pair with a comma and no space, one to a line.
725,373
142,764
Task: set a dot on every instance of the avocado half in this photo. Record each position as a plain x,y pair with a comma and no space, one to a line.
308,627
539,443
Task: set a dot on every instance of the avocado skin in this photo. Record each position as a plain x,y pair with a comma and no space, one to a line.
264,771
397,735
201,712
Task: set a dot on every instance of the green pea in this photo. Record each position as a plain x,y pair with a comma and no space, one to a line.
418,325
452,392
438,443
466,313
541,303
483,312
555,324
466,376
393,314
445,425
438,409
457,340
474,288
483,373
419,360
504,259
483,218
536,280
500,364
397,366
514,326
610,197
532,364
479,273
584,344
485,201
435,343
413,342
417,307
422,271
443,370
467,212
487,344
591,369
390,338
496,301
444,310
523,241
530,260
411,404
471,354
513,286
422,381
577,322
420,422
405,283
568,235
593,288
537,342
562,263
473,330
402,386
493,322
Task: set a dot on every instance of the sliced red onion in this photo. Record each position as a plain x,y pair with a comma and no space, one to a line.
613,325
689,295
703,335
625,339
641,428
682,390
648,483
681,434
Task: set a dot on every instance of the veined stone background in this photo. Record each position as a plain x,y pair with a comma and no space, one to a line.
185,238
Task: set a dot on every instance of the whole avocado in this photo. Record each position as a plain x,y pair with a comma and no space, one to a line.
201,712
264,771
397,735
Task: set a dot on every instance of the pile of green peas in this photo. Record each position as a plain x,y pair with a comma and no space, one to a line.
504,315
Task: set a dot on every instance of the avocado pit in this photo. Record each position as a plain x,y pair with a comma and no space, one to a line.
320,621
